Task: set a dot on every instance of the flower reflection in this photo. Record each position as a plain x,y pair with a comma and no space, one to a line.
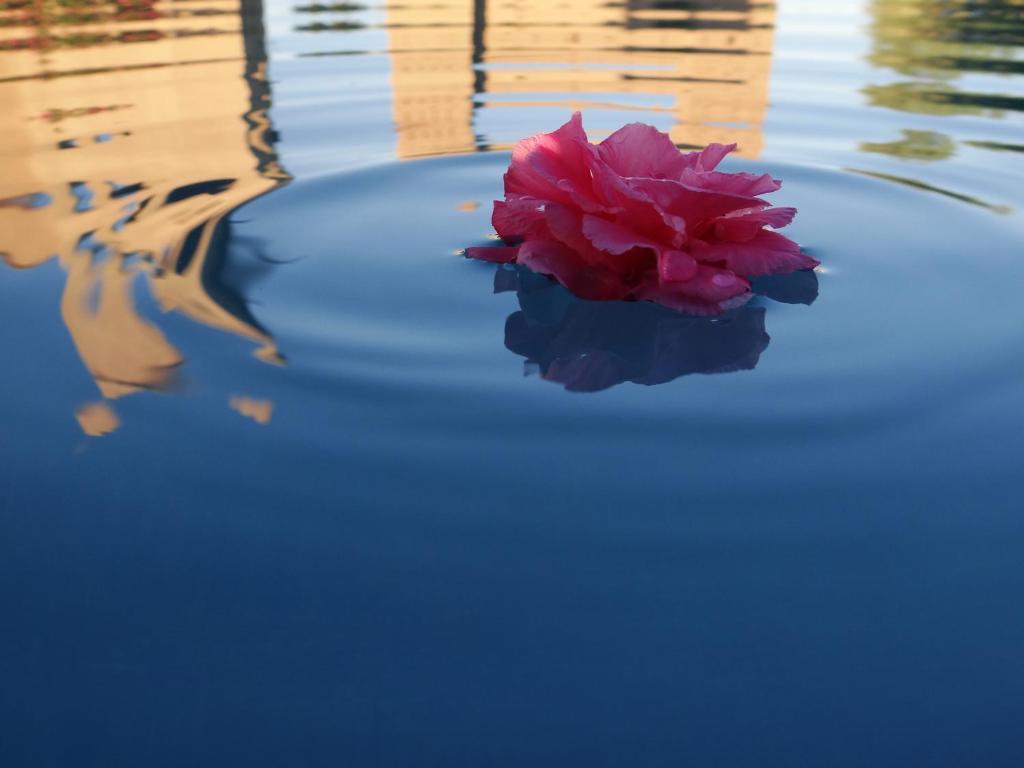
588,346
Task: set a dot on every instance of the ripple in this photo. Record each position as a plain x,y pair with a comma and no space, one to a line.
379,304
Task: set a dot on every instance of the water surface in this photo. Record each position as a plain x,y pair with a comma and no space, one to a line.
286,480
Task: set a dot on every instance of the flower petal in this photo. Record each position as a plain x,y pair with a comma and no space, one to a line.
708,158
676,266
550,166
551,257
777,218
633,206
766,254
613,238
641,150
565,223
499,254
711,291
743,226
732,183
516,217
694,206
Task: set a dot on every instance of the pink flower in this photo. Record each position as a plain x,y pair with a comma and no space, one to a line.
635,218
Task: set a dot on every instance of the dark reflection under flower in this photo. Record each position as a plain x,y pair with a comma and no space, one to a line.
588,346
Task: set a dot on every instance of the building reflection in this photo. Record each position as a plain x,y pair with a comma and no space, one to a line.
703,65
132,129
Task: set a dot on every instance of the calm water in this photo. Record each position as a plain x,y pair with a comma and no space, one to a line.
286,481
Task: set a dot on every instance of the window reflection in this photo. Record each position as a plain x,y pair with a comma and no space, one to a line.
698,68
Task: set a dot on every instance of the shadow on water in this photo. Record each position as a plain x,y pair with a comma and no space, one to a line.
588,346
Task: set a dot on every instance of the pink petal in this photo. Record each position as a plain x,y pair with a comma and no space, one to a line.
499,254
641,150
550,257
566,225
550,166
743,226
613,238
732,183
776,218
676,266
708,158
736,229
767,253
516,217
626,203
694,206
710,292
613,197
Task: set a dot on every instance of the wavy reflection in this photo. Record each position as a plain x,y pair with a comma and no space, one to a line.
125,163
915,145
995,146
939,38
934,42
589,346
916,184
941,100
701,67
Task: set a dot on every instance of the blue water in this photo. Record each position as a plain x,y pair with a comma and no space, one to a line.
349,498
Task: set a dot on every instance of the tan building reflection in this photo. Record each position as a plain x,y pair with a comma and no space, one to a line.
706,63
130,132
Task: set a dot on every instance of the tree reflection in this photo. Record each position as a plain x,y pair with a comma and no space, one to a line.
940,38
915,145
935,41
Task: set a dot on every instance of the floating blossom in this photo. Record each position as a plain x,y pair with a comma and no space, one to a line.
635,218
